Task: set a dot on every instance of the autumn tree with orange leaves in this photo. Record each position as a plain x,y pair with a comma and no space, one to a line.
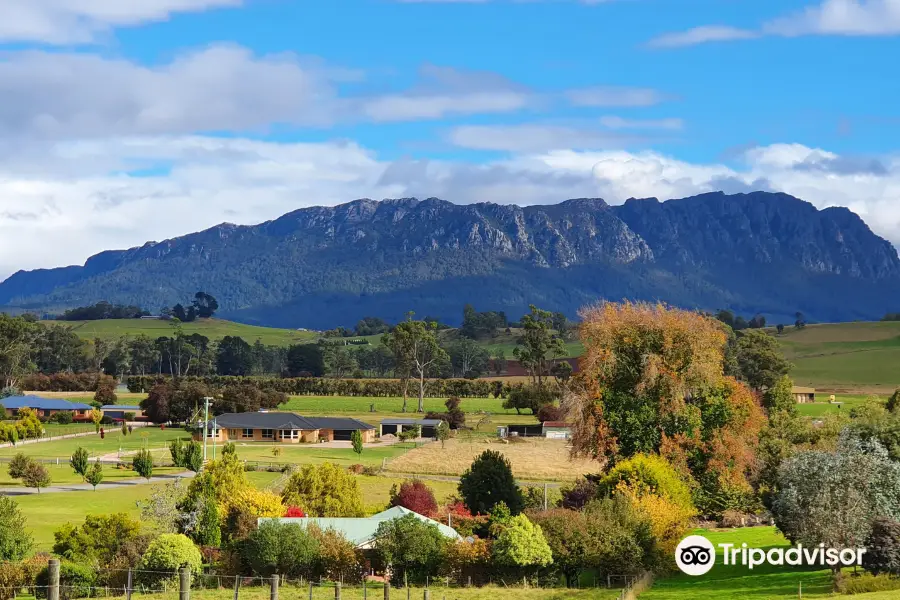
652,380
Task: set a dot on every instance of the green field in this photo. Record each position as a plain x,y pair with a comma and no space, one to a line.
859,357
152,437
62,474
361,404
214,329
314,454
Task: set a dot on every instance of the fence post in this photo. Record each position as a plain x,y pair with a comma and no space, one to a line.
53,592
129,586
387,590
273,592
310,590
426,595
337,590
184,584
237,586
545,496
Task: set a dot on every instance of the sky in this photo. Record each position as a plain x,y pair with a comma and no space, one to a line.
124,122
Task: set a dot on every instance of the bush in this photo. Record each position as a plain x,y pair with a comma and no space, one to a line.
166,554
416,496
63,417
863,583
548,412
283,548
533,497
15,539
489,481
883,548
579,494
75,581
324,490
647,473
18,464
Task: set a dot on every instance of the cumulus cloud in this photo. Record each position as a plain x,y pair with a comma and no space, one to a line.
614,96
830,17
81,21
187,183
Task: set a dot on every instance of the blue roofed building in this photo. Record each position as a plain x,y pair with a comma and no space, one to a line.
123,412
45,407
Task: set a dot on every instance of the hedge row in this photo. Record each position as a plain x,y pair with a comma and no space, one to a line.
319,386
66,382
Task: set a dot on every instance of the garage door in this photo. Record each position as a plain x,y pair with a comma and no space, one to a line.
428,431
343,434
389,429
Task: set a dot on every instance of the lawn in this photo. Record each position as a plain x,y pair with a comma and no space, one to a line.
363,404
62,474
114,441
531,458
214,329
314,454
843,403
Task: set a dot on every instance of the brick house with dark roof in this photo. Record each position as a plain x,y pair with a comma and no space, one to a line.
284,427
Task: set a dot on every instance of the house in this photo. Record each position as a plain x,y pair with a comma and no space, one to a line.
117,412
427,427
361,531
286,427
556,430
804,394
45,407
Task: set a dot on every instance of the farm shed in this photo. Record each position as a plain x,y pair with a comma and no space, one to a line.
557,430
804,394
427,427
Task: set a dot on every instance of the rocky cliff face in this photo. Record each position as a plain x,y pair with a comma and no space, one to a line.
322,266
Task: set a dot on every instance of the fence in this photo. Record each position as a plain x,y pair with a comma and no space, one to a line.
138,584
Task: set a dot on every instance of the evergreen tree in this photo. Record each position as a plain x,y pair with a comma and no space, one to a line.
489,481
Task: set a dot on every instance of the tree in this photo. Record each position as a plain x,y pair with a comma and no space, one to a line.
96,417
538,346
410,546
521,544
305,360
287,549
17,339
157,404
15,539
193,457
780,397
468,359
399,345
36,475
94,475
893,402
160,509
205,305
416,342
529,397
143,463
339,361
652,381
443,432
234,356
883,548
18,464
79,462
356,440
644,474
834,497
488,481
454,417
167,554
339,560
324,490
760,360
779,328
99,539
800,320
415,495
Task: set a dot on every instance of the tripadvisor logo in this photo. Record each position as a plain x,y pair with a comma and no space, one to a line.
696,555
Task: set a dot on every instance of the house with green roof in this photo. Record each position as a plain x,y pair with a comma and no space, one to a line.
361,531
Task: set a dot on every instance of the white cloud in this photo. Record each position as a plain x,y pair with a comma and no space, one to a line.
80,21
701,35
537,137
613,122
614,96
830,17
74,194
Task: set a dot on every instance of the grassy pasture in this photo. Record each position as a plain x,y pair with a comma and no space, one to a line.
214,329
531,458
438,592
845,357
155,438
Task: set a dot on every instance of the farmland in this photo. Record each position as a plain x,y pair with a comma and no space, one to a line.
214,329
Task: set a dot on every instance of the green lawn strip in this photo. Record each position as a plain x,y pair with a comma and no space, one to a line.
63,474
363,404
314,454
113,441
214,329
843,403
762,583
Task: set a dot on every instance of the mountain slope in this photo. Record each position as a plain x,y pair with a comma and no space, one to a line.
323,266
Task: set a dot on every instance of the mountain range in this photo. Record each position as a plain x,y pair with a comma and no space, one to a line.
320,267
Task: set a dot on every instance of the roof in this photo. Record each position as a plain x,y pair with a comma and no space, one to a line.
286,420
119,407
41,403
556,424
361,531
802,390
425,422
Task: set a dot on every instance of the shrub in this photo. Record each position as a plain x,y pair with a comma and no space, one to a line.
548,412
283,548
883,548
488,481
15,539
578,495
647,474
63,417
324,490
356,469
143,463
864,582
339,560
75,581
416,496
98,540
533,497
166,554
12,578
521,543
412,548
79,462
294,512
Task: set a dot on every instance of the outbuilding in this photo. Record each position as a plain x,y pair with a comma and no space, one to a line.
427,427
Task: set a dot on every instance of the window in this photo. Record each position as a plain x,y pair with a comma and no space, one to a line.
212,432
267,434
290,434
248,434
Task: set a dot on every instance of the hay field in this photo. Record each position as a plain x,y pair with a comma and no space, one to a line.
531,458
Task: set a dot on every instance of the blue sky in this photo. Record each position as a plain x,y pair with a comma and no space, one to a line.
125,122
